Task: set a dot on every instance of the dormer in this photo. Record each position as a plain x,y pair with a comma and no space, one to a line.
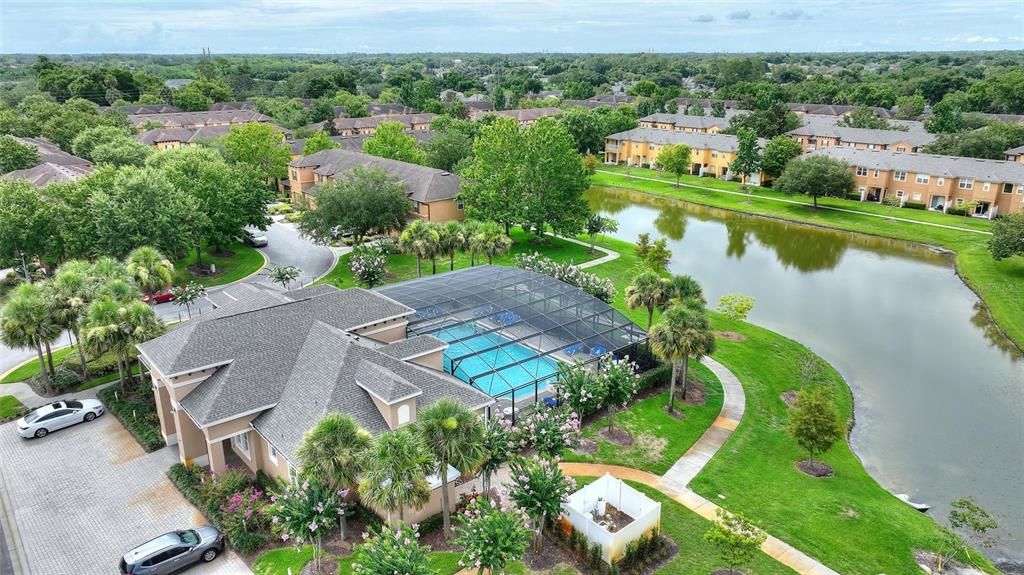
393,395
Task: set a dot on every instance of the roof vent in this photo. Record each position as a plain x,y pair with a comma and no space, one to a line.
445,174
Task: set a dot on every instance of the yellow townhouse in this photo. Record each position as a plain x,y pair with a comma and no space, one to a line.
433,194
685,123
198,119
815,136
711,154
992,187
525,116
1015,154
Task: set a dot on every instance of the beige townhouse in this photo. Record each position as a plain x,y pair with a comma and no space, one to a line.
993,187
711,154
815,136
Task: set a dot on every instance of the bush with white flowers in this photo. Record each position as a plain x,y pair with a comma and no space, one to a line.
304,513
599,287
548,430
369,265
539,488
491,537
391,551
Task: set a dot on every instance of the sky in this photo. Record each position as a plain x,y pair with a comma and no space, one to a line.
374,26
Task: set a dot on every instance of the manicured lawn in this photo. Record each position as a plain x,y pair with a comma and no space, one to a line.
278,561
403,266
31,367
848,522
244,262
1000,284
10,406
659,439
440,563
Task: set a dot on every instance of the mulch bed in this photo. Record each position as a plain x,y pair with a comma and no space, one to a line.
616,435
436,541
328,566
789,397
696,393
731,336
587,446
815,468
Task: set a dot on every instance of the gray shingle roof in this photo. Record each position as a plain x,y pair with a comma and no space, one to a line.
684,121
133,109
373,121
720,142
865,135
1013,151
423,184
196,119
525,114
999,171
414,346
45,174
354,143
388,386
50,153
221,106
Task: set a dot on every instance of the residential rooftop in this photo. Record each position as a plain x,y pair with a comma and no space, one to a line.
685,121
50,153
864,135
45,174
193,119
931,164
696,140
423,184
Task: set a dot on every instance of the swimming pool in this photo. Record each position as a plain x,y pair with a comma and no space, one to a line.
507,376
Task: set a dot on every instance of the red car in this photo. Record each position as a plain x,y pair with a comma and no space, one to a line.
162,296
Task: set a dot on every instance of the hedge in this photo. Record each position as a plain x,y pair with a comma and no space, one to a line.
914,205
135,416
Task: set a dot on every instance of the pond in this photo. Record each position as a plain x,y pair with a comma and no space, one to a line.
939,393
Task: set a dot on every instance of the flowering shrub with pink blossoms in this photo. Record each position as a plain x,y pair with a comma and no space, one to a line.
304,513
392,550
491,537
548,431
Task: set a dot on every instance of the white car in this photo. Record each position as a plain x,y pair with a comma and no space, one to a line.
58,415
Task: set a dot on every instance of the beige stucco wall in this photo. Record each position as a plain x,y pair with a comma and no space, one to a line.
433,360
385,331
440,211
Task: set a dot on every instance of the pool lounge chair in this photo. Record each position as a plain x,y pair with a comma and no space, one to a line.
598,351
575,348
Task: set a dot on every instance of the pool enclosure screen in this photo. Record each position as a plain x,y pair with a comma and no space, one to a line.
507,328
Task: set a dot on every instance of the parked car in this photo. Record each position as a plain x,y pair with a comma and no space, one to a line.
174,551
162,296
254,239
58,415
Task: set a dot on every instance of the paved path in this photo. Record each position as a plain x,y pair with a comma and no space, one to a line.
674,483
799,203
608,256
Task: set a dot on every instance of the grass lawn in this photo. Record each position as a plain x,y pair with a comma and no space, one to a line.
31,367
278,561
244,262
659,439
440,563
849,522
403,266
10,407
1000,284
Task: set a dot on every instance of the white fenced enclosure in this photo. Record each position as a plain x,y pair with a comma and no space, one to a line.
612,514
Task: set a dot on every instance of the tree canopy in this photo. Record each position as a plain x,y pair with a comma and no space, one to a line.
816,176
362,200
390,141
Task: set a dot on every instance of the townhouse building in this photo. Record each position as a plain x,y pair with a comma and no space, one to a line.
817,135
1015,154
711,154
55,165
991,187
173,138
433,194
525,116
685,123
199,119
355,126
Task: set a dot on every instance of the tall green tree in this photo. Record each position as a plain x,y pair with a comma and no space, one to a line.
864,117
598,224
910,107
540,489
16,156
777,153
26,322
452,143
422,240
816,176
117,325
675,159
1007,237
260,147
27,225
390,141
91,138
553,180
395,469
149,268
332,454
492,187
318,142
748,157
489,241
362,200
454,435
123,151
69,294
814,422
684,332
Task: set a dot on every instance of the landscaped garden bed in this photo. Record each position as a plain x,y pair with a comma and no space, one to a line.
135,408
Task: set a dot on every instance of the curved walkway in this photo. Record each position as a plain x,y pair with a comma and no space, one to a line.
608,256
674,483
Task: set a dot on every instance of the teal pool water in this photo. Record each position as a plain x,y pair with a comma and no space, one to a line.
515,364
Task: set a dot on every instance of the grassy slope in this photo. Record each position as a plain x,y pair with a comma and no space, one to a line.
244,262
31,367
1000,284
9,407
403,266
647,418
755,473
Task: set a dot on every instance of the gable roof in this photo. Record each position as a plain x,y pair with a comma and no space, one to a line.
1000,171
414,346
133,109
696,140
197,119
50,153
1013,151
45,174
684,121
422,183
372,122
865,135
222,106
383,383
522,115
354,143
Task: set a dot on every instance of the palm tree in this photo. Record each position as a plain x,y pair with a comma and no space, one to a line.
331,453
141,324
421,239
68,296
491,241
682,288
648,290
149,268
450,241
683,333
395,469
107,268
455,436
118,326
25,321
470,228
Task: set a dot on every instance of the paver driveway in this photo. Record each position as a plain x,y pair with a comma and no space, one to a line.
84,495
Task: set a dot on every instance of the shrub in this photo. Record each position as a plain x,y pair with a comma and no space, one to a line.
548,430
956,211
431,524
594,557
914,205
137,417
98,366
244,519
280,209
389,245
369,265
293,217
855,196
654,377
215,489
65,379
247,542
599,287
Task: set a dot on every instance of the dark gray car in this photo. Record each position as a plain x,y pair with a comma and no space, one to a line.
174,551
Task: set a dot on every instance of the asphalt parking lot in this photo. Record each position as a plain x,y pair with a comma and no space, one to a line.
82,496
